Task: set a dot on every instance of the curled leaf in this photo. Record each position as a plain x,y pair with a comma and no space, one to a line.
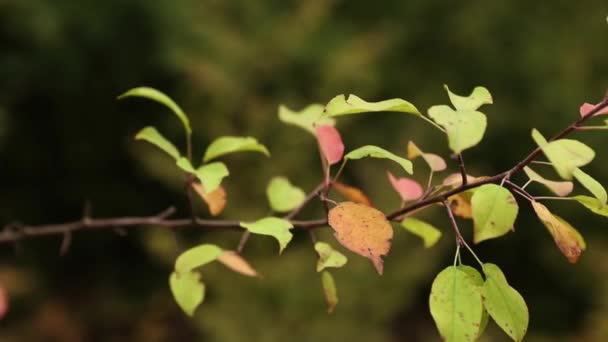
429,234
307,118
567,238
377,152
351,193
559,188
363,230
153,136
229,144
235,262
216,199
339,105
330,143
196,257
592,204
460,204
328,257
331,293
188,290
162,98
272,226
407,188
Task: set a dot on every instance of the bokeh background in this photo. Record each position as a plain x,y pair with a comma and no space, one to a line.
65,140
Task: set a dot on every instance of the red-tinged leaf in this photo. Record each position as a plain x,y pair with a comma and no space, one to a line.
216,199
407,188
3,301
331,143
235,262
351,193
363,230
435,162
586,108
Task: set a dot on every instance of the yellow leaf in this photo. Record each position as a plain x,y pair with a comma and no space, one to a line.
363,230
351,193
461,204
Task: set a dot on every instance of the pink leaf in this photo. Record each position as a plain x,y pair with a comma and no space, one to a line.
3,301
331,143
407,188
586,108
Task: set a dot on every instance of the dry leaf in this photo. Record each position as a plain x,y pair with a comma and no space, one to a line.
235,262
461,205
216,199
351,193
363,230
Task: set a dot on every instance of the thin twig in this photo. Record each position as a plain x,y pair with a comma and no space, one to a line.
463,171
459,239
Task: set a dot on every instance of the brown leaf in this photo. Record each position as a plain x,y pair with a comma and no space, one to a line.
235,262
351,193
362,229
216,199
461,204
567,238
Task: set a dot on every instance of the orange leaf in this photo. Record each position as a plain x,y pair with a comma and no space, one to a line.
330,142
351,193
461,205
235,262
568,240
363,230
216,199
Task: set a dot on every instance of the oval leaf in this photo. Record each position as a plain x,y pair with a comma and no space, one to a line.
564,154
351,193
307,118
160,97
494,212
504,304
464,128
283,196
272,226
188,290
567,238
363,230
216,199
330,143
235,262
151,135
559,188
196,257
328,257
456,304
339,105
377,152
407,188
228,144
479,96
429,234
331,293
592,185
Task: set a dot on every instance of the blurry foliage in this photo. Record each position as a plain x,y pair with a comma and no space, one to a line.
64,140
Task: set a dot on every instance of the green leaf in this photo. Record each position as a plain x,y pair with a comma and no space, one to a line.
504,304
592,185
196,257
188,290
456,304
184,164
339,105
429,234
158,96
211,175
464,128
377,152
328,257
592,204
227,144
272,226
283,196
478,98
307,118
558,188
331,293
494,212
151,135
564,154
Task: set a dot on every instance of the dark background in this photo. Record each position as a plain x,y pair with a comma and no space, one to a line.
65,140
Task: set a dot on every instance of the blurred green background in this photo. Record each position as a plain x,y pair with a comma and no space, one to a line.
65,140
